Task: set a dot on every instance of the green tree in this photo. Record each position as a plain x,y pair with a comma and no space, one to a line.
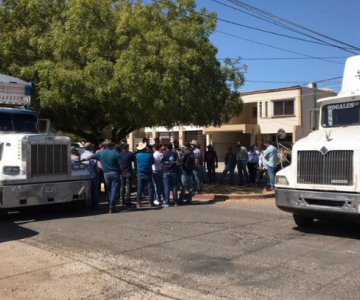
125,64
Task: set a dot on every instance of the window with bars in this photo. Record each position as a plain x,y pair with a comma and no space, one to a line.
283,107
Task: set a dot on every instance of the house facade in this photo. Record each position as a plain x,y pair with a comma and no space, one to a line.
264,113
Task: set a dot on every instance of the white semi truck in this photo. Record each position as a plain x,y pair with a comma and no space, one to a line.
323,179
35,169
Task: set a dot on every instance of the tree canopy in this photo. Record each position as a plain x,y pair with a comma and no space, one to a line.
121,63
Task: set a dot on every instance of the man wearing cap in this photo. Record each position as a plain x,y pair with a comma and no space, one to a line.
93,170
110,162
144,161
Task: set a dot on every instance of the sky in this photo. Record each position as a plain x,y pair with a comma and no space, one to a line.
275,61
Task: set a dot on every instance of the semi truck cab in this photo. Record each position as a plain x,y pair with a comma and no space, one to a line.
35,168
323,178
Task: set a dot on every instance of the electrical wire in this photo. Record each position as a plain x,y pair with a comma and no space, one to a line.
235,36
278,48
283,58
280,34
290,25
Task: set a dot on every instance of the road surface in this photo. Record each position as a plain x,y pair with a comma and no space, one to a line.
222,250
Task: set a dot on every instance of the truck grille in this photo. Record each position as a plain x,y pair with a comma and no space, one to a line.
49,160
332,168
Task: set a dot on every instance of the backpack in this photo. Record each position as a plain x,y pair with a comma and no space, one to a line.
189,164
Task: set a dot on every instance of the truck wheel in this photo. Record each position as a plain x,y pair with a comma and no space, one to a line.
303,221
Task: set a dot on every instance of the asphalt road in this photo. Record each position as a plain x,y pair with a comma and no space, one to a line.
224,250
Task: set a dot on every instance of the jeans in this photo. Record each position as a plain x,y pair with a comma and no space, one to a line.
201,172
112,180
125,187
142,179
198,176
158,184
243,173
271,173
186,182
230,170
170,183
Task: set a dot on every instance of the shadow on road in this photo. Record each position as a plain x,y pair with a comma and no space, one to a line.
48,212
10,223
350,230
10,231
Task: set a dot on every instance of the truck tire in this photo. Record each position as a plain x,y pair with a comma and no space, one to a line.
303,221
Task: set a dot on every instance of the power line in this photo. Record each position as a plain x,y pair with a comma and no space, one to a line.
290,25
278,48
323,43
319,42
299,81
232,35
283,58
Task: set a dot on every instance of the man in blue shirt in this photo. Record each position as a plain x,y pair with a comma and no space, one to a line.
110,162
170,169
144,161
271,159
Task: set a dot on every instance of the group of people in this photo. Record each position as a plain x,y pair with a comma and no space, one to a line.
252,164
168,170
160,171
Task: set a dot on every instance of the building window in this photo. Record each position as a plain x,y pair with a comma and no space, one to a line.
284,108
260,109
254,112
266,110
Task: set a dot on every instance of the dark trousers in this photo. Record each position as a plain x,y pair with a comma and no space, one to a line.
211,171
252,172
125,187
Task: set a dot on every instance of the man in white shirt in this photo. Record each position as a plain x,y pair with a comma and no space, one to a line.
158,174
93,170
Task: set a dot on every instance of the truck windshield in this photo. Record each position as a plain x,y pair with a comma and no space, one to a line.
341,114
18,122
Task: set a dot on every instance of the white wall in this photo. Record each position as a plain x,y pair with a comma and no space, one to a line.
271,124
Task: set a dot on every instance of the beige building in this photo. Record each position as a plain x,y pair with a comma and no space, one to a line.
264,113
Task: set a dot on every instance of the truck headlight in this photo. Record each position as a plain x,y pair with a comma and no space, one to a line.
11,170
281,180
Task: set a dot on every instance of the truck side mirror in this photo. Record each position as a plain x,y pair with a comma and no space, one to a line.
44,126
314,118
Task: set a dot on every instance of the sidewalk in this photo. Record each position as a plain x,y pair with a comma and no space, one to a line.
226,192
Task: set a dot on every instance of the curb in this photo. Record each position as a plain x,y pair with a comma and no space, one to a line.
233,197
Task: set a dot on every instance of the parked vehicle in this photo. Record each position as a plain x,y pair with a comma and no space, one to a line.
35,168
323,178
